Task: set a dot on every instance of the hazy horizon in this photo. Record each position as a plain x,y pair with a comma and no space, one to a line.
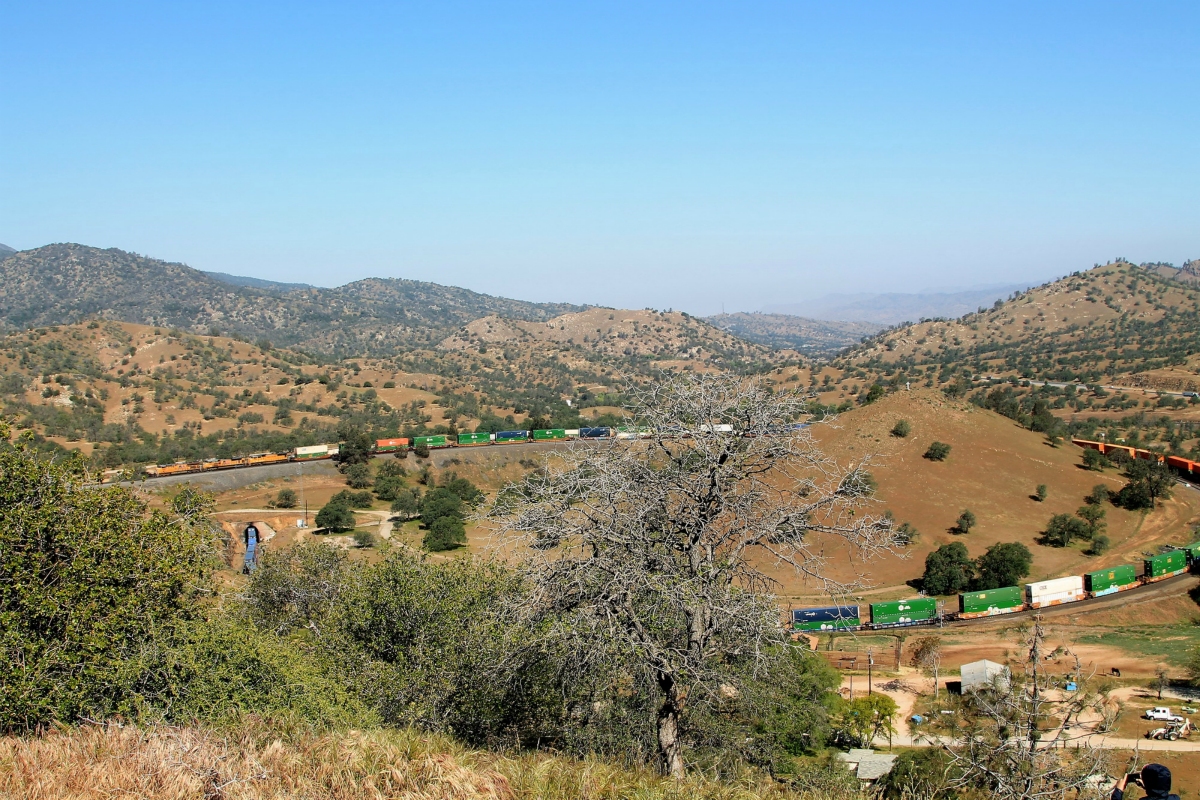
677,156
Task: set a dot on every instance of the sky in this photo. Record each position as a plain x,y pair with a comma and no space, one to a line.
694,155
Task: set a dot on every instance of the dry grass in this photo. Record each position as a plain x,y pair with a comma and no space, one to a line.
258,762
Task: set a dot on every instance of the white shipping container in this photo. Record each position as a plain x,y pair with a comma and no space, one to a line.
312,449
1053,592
572,432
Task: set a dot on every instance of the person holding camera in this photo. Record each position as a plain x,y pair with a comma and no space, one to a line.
1155,780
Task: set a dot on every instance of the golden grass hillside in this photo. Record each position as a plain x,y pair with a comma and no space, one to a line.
255,762
993,469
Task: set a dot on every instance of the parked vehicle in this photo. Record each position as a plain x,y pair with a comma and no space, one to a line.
1172,731
1162,714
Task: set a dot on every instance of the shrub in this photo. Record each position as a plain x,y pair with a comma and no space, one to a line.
1004,564
948,570
901,429
1041,492
907,535
420,451
358,476
1063,529
285,499
938,451
364,539
965,521
337,517
445,533
391,469
1099,545
353,499
92,582
389,384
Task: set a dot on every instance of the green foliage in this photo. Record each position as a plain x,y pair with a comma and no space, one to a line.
391,468
445,533
1063,529
1098,495
857,722
1099,546
440,502
1004,564
907,534
91,582
948,570
356,445
924,772
966,521
285,499
363,538
901,429
1041,492
1095,460
420,451
938,451
1148,482
388,487
358,476
406,504
1093,515
874,393
336,516
353,499
463,488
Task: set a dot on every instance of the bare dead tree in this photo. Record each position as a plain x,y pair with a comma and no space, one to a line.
927,654
1024,738
657,548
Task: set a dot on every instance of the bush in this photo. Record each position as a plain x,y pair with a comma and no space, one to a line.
1095,460
92,584
285,499
1063,529
1098,495
1099,545
391,469
1041,492
907,535
337,517
353,499
1004,564
364,539
420,451
948,570
965,521
938,451
901,429
358,476
445,533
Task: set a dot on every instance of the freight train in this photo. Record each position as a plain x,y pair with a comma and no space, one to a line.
400,445
993,602
1185,465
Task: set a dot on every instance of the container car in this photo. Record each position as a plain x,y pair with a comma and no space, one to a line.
432,442
594,433
311,452
390,445
474,439
826,618
550,435
512,437
1163,566
1109,581
990,602
1054,592
903,612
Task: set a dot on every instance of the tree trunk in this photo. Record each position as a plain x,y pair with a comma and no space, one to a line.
670,749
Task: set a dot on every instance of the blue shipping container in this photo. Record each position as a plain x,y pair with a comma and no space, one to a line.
594,433
824,614
503,435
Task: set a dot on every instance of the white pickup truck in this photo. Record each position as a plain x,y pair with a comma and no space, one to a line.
1162,714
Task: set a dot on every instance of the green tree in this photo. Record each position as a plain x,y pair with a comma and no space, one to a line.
406,504
938,451
356,445
1041,492
390,468
91,582
948,570
466,491
364,539
353,499
1148,482
966,521
1099,545
859,721
388,487
925,773
901,429
337,517
1098,495
1063,529
445,533
1094,516
1095,460
440,502
1004,564
358,476
874,393
285,499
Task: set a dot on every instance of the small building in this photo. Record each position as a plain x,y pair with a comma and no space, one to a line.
867,765
982,674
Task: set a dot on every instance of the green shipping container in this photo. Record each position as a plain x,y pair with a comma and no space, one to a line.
828,625
991,600
902,611
1107,581
1165,564
553,433
430,441
1193,551
474,438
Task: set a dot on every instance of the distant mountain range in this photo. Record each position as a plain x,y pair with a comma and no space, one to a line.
6,251
782,331
63,283
895,307
257,283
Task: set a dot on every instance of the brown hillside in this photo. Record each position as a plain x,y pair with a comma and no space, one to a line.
993,469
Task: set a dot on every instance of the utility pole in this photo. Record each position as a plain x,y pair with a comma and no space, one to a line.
870,664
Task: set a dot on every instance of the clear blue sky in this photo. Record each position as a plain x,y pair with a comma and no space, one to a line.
635,154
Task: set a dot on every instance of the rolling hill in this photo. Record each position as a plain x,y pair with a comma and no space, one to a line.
892,308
